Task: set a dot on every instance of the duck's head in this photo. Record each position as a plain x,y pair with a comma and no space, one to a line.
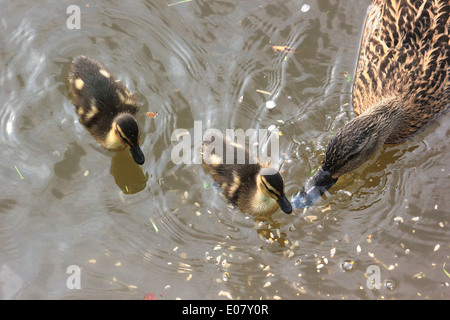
271,184
352,145
314,189
125,131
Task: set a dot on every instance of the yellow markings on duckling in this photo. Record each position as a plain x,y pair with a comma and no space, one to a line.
215,160
79,84
235,185
123,137
104,73
269,187
92,112
112,141
126,97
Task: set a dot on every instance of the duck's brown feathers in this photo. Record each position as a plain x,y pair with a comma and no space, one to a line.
405,54
401,84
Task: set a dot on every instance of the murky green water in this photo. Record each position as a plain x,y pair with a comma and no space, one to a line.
158,228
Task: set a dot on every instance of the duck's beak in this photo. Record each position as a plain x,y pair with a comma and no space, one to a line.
313,190
137,154
284,204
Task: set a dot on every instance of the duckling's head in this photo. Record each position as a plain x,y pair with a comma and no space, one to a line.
126,132
271,184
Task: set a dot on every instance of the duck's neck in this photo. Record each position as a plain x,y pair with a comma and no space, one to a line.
359,139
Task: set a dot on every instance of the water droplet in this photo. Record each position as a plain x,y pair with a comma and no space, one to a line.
347,265
390,285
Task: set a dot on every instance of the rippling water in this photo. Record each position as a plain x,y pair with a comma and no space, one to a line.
159,228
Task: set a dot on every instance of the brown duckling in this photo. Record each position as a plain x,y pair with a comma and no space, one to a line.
105,107
401,85
254,188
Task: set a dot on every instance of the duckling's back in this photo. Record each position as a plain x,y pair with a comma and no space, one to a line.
97,95
236,178
404,53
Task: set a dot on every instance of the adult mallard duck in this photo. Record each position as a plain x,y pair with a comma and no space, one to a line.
401,84
253,187
105,107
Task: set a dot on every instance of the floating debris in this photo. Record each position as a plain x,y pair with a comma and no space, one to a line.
305,8
149,296
206,185
19,172
270,104
332,252
264,92
445,271
152,115
284,49
154,225
179,2
310,218
226,294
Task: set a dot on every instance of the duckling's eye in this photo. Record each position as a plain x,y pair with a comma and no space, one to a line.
123,138
270,189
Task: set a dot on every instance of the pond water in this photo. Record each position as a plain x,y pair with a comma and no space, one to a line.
160,228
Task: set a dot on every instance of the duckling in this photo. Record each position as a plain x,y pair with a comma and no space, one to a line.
401,85
254,188
105,107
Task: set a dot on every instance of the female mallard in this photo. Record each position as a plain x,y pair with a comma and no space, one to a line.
251,186
401,84
105,107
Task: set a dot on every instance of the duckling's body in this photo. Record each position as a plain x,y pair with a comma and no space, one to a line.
401,85
105,107
252,187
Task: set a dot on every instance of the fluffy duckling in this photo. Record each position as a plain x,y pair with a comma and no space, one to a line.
252,187
401,85
105,107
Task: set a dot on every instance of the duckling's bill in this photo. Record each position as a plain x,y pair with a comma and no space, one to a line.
284,204
137,154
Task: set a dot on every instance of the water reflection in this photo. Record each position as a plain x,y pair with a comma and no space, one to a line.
129,177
